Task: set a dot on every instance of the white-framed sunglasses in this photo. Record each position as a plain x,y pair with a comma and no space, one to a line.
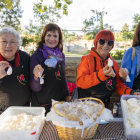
110,43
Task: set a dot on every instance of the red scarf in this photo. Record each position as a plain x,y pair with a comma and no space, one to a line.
17,59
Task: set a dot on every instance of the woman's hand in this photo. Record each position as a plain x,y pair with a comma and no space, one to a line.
123,72
108,71
68,98
136,93
38,70
3,66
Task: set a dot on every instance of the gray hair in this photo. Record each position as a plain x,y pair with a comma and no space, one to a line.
7,30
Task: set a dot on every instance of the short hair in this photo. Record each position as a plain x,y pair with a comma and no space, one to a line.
104,34
9,29
51,27
136,37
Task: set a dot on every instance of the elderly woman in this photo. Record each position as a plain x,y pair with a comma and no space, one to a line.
48,67
94,77
15,88
131,62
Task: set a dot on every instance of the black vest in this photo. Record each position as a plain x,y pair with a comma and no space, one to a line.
54,87
15,88
136,83
102,91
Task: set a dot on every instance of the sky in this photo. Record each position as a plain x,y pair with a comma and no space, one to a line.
119,12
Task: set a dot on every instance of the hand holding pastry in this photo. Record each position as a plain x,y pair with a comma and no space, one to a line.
123,73
3,66
38,71
108,71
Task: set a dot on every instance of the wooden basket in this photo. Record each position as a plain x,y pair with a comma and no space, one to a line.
66,133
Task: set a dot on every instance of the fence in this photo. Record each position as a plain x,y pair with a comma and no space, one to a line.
79,41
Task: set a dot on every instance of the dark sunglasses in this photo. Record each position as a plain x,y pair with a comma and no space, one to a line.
110,43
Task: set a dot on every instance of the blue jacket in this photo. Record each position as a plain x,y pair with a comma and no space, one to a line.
130,65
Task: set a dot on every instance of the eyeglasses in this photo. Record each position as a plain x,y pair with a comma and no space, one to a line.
4,43
110,43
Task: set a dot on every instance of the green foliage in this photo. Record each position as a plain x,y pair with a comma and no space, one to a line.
11,15
31,52
35,30
136,19
86,52
119,37
71,54
26,40
44,14
68,37
96,19
88,36
63,4
126,34
118,55
5,4
58,5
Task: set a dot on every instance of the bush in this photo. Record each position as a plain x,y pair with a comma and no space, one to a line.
86,52
118,55
26,40
31,52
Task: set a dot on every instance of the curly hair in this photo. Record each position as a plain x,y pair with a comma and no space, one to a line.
51,27
136,37
104,34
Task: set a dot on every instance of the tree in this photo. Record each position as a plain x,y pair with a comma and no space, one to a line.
5,4
95,23
126,34
11,16
63,4
68,37
43,15
136,19
88,36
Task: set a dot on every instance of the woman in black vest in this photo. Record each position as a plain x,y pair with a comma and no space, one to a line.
95,78
48,64
15,88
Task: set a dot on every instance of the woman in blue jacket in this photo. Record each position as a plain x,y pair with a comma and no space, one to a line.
131,61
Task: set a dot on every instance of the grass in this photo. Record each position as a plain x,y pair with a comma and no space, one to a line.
71,54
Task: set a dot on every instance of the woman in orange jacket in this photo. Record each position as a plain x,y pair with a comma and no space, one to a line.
94,77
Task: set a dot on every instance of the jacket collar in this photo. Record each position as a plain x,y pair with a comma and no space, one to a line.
95,54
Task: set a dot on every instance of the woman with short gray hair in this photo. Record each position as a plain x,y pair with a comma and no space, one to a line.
14,85
7,30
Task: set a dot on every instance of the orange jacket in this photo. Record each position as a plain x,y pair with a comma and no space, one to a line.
87,77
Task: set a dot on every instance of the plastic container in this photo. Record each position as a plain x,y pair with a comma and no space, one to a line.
22,134
131,133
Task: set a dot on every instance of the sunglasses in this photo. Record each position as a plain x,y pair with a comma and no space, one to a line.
110,43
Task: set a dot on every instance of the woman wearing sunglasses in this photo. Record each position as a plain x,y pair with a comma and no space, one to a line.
94,77
131,64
